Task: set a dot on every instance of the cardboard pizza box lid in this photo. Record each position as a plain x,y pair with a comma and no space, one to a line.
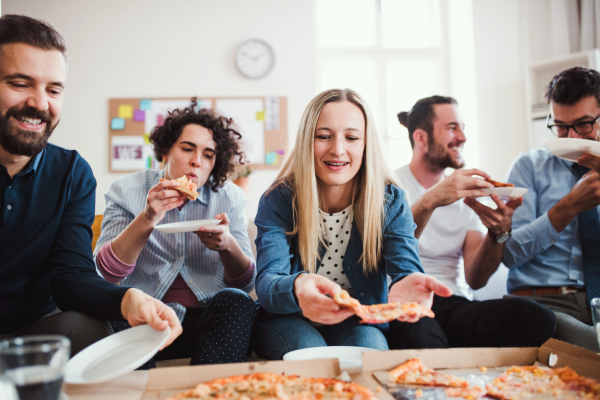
166,382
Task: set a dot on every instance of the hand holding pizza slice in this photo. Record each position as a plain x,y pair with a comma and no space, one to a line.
186,187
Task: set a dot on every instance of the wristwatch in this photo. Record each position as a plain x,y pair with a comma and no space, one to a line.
502,237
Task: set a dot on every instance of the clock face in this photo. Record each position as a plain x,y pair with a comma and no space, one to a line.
254,59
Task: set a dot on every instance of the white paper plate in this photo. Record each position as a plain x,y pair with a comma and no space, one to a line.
510,192
115,355
187,226
350,357
571,149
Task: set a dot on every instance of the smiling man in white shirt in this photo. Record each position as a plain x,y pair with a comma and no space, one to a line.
453,243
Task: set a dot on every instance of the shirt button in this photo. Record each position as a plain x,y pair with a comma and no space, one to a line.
181,258
9,207
551,240
362,295
575,258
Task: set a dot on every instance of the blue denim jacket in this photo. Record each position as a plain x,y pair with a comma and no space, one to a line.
278,260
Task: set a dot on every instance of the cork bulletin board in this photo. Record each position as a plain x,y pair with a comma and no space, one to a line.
262,121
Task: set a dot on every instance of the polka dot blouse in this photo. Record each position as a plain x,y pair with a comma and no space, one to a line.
337,233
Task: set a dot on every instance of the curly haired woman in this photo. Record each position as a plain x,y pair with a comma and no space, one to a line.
204,275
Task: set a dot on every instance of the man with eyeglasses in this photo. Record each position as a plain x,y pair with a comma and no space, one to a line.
554,253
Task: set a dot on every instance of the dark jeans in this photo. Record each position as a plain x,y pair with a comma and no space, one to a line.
459,322
217,333
81,330
272,338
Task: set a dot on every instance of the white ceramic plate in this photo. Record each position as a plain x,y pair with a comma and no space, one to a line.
350,357
115,355
510,192
187,226
571,149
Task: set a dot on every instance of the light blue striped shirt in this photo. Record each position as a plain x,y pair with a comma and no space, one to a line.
167,255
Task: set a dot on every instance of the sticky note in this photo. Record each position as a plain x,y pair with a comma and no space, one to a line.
260,115
145,104
271,158
280,152
160,120
117,124
139,115
147,138
125,111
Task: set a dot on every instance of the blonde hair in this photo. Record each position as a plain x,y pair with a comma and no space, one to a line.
368,195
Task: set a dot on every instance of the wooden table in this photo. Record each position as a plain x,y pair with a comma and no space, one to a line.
128,387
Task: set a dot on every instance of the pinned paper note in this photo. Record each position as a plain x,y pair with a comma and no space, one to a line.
117,124
125,111
160,120
260,115
139,115
147,138
272,158
281,152
145,104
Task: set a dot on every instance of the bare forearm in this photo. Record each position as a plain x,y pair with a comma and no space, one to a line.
234,261
422,210
129,244
562,214
483,263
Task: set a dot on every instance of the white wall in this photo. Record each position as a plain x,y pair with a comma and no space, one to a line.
500,44
154,48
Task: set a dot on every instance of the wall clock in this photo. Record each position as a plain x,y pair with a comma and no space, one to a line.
254,59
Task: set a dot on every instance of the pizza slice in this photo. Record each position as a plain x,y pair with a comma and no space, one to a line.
532,381
499,184
186,187
266,385
381,313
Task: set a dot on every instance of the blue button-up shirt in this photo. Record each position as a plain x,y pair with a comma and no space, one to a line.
538,255
278,259
46,214
167,255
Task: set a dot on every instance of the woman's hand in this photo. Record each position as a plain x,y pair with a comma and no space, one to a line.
311,291
417,288
160,200
217,238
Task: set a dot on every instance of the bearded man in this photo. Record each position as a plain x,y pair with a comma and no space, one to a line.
453,243
48,280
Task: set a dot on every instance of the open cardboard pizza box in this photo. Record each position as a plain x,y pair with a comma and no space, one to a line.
376,365
166,382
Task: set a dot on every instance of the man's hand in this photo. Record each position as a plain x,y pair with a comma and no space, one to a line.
417,288
591,161
138,309
460,184
498,220
217,238
160,200
585,195
311,291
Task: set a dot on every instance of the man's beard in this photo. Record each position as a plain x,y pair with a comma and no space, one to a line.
19,142
439,157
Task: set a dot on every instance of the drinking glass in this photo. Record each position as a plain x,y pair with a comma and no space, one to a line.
596,316
35,365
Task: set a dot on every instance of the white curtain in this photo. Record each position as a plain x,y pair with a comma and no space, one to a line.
590,24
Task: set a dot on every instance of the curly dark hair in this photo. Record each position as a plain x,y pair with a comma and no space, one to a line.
225,136
572,85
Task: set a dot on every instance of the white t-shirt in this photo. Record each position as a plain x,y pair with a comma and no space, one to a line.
337,231
441,242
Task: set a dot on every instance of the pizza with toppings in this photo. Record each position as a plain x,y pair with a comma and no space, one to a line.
381,313
499,184
186,187
529,382
266,385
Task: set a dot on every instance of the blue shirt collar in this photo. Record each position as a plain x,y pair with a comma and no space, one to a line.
32,166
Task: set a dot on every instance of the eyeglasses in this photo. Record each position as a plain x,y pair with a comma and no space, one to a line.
581,128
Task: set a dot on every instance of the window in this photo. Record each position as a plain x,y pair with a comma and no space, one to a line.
392,52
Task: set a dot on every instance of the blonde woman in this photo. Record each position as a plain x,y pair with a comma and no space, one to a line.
334,219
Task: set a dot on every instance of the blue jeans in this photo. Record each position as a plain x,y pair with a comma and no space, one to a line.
272,338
